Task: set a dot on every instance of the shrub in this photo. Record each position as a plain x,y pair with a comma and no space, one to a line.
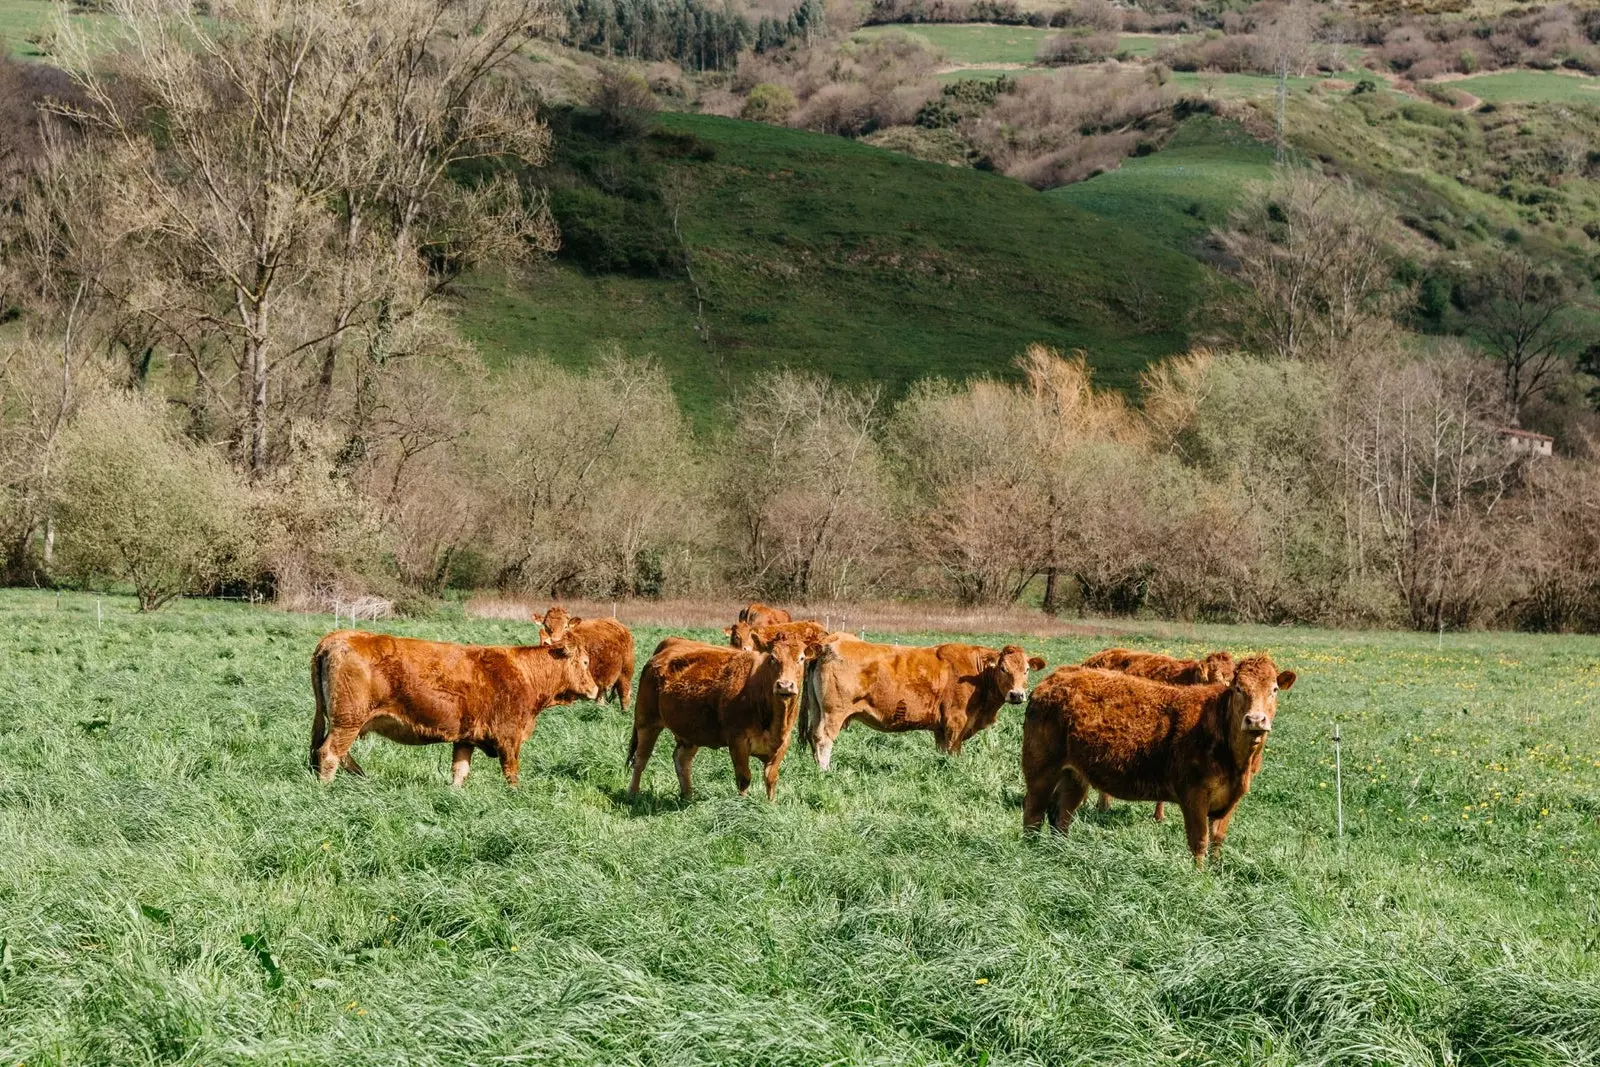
768,103
1065,49
624,100
136,502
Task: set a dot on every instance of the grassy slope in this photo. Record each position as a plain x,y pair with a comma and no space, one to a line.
1531,86
1183,191
971,43
816,251
155,809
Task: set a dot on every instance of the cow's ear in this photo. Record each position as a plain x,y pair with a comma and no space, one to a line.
561,647
1036,663
1286,679
537,618
813,650
727,631
573,622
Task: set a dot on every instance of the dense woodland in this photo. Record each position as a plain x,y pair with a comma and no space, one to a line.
229,361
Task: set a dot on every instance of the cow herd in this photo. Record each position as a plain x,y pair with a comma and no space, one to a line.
1133,725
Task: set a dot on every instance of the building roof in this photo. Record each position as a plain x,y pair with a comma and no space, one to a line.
1512,431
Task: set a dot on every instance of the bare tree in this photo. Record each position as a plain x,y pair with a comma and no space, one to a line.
1437,476
300,182
804,485
1521,311
1312,269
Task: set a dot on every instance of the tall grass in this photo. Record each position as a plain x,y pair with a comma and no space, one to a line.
174,888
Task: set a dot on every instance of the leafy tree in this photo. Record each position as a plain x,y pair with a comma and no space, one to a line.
137,502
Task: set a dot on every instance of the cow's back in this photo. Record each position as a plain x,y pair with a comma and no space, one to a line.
903,685
690,684
610,648
1128,735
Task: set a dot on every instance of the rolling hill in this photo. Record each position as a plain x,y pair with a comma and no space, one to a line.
819,252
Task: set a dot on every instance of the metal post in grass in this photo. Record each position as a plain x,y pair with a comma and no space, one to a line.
1338,780
99,616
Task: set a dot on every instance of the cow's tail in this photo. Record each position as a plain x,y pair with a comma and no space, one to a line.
811,701
633,747
322,690
322,670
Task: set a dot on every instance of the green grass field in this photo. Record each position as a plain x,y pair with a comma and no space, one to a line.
19,19
970,43
1182,192
816,251
1531,86
1235,86
175,888
982,43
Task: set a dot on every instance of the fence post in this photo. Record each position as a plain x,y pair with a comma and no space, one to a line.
99,616
1338,780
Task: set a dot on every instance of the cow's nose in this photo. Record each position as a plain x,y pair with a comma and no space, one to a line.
1257,722
788,688
1016,696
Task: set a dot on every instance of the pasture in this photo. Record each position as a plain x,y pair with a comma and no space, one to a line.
1530,86
175,888
1182,192
977,44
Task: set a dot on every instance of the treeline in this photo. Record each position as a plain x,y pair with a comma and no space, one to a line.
1375,491
691,33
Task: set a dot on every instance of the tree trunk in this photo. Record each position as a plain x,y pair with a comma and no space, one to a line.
1049,604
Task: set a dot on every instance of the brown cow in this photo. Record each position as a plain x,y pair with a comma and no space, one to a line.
762,638
758,614
1197,745
953,690
426,692
1216,667
608,642
715,697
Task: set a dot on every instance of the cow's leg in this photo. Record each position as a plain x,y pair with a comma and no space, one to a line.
740,753
683,760
460,763
1161,811
1219,828
335,752
1105,801
769,775
510,761
1197,827
1070,793
1041,787
644,745
827,730
623,689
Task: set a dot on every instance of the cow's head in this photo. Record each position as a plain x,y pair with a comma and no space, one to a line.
573,660
741,635
554,623
1218,667
1253,697
790,652
1007,671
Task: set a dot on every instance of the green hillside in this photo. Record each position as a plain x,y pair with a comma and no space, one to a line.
1180,193
820,252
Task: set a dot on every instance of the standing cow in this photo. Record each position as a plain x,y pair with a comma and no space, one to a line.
430,692
608,642
953,690
762,638
715,697
1196,745
1215,667
758,614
